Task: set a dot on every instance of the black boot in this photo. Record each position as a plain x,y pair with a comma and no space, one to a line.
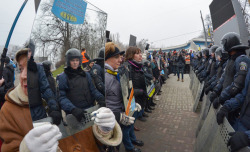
152,104
138,143
147,110
145,115
134,150
142,119
151,108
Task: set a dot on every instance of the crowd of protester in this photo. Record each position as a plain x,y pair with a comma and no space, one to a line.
143,72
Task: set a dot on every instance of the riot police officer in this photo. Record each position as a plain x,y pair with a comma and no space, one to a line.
76,90
241,125
97,72
233,78
47,69
221,57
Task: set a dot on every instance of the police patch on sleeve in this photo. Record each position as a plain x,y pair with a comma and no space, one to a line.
243,66
95,71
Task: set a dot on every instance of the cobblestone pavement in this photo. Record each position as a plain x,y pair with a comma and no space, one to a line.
171,127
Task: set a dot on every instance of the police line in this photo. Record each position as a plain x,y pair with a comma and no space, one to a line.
210,137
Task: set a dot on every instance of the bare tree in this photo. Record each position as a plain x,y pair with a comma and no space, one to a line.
53,37
245,7
142,44
116,39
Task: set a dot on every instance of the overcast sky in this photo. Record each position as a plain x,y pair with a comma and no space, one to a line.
146,19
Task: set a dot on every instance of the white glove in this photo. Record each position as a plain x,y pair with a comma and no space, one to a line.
137,107
104,118
126,120
43,138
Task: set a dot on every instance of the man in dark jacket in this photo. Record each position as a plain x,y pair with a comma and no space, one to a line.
180,65
7,81
174,61
38,88
76,89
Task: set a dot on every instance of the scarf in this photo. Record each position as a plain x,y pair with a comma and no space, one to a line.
137,65
71,73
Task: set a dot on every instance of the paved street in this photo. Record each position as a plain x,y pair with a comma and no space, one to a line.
171,127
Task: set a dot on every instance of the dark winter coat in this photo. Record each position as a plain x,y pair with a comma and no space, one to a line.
138,80
8,75
38,112
180,61
64,101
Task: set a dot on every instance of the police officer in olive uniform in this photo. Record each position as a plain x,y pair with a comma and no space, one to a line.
76,90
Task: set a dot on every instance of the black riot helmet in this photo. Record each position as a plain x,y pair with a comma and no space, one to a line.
46,65
72,54
213,49
205,52
218,52
100,55
231,41
100,59
222,54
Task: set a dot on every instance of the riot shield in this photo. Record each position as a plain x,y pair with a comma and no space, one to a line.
58,27
214,137
207,132
195,87
204,110
127,90
74,126
191,75
198,95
